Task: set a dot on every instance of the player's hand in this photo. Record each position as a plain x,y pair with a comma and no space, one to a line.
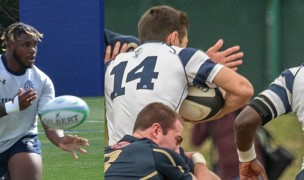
115,51
72,143
252,170
230,57
26,98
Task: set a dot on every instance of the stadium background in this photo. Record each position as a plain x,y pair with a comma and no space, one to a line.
71,51
269,32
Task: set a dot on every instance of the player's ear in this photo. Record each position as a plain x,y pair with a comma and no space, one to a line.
172,39
156,130
8,45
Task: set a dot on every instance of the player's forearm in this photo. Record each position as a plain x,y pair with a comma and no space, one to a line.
201,171
238,90
233,102
10,107
245,127
53,135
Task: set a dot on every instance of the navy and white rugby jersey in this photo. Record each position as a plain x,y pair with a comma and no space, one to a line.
153,72
284,95
17,124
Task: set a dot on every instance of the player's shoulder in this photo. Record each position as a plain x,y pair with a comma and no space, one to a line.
124,142
297,70
288,77
165,159
39,73
165,154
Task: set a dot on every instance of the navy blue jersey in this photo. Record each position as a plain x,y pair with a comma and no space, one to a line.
133,158
111,38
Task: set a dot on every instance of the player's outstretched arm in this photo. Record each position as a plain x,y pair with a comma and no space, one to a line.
231,57
67,143
245,127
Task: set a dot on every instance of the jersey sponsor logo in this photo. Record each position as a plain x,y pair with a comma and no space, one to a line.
28,84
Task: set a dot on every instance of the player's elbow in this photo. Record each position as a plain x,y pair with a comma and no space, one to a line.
245,91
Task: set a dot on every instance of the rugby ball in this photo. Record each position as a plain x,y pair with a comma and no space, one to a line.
64,112
201,103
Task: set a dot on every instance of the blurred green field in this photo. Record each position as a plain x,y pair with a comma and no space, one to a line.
59,165
287,132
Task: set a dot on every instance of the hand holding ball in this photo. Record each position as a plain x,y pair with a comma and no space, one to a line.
64,112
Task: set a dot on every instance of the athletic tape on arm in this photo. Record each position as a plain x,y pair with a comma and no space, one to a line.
12,106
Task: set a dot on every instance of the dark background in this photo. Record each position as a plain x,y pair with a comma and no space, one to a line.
270,32
71,52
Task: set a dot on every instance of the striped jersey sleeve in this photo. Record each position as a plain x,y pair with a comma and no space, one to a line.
199,68
279,97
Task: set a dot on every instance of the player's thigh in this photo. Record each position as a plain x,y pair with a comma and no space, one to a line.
25,166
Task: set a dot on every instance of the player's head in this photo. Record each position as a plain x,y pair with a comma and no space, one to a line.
19,41
161,124
14,31
165,24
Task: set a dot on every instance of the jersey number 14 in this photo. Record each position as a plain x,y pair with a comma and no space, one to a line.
145,76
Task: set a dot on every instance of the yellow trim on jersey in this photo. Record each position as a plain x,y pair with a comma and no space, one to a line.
181,169
112,157
170,158
149,176
167,154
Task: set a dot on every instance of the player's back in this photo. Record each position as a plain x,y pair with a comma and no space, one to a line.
132,161
143,159
152,73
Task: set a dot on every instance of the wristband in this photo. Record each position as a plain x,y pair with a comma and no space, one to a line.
198,158
246,156
12,106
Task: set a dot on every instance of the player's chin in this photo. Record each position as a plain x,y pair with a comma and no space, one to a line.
29,64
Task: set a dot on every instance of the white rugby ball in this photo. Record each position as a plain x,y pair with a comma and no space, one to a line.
64,112
201,103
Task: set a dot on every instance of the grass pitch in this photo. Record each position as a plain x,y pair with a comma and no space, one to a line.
59,165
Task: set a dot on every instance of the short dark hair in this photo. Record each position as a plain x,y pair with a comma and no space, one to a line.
160,21
13,32
156,113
